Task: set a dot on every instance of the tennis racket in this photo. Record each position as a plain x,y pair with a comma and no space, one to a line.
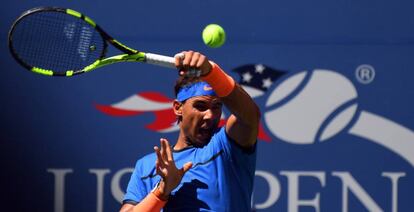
62,42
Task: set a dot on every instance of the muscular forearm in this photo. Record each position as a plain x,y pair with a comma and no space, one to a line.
242,126
243,107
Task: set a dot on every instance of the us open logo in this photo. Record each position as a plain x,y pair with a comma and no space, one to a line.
311,107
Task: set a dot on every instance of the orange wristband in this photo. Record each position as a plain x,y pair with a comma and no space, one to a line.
221,83
151,203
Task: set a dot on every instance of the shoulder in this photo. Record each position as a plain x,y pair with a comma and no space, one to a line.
220,134
146,159
145,164
227,142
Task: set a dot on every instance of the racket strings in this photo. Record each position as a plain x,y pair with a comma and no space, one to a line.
56,41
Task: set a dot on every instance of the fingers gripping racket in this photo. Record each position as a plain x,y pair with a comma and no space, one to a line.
63,42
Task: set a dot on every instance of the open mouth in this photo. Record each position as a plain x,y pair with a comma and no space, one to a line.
205,133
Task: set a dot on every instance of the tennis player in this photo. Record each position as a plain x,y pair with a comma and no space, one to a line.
209,168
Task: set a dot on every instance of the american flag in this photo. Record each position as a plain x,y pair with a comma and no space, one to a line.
256,79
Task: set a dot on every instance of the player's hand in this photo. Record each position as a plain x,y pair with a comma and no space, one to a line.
192,64
165,167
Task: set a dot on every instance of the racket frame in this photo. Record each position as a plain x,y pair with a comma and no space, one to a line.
130,55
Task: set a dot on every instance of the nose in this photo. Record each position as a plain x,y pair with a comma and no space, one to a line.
208,114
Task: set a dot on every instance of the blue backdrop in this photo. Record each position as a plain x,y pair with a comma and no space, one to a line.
337,119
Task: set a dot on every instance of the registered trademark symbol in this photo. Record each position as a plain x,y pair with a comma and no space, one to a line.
365,74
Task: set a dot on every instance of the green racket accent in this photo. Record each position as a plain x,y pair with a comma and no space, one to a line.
79,15
42,71
74,13
90,21
92,66
69,73
123,46
138,57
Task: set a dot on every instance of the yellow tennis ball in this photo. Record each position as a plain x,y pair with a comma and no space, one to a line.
214,35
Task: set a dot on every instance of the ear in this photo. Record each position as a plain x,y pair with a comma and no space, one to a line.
178,109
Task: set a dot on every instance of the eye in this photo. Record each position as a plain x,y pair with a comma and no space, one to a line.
200,106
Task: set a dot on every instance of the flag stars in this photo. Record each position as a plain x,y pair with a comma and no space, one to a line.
259,68
266,83
247,77
257,76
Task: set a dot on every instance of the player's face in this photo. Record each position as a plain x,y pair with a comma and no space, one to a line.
200,118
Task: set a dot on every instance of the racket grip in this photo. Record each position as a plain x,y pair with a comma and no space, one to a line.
160,60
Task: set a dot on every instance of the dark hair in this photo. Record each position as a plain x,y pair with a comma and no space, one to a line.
183,81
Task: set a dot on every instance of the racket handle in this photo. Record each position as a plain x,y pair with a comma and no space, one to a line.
160,60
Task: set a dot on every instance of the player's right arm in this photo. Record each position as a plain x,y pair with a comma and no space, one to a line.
171,178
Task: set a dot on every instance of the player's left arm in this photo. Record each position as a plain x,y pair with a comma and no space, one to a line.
242,126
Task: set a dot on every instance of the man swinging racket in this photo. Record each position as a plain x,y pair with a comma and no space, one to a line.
209,168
